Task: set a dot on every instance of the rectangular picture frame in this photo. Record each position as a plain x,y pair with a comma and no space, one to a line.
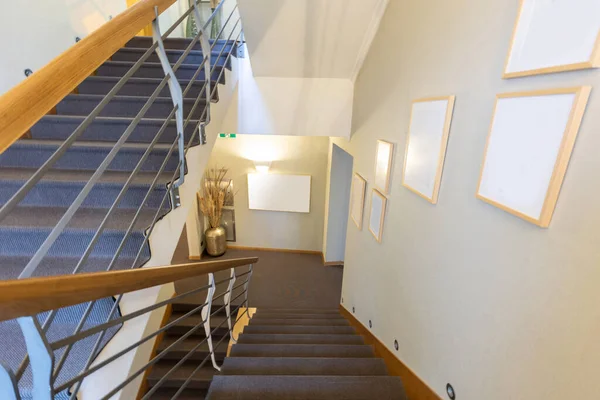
429,136
383,165
580,30
377,214
357,199
553,172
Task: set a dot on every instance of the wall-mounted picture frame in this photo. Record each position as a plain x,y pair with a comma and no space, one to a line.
357,199
383,165
538,46
426,143
528,148
377,214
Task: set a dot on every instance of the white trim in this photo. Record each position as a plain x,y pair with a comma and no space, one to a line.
370,33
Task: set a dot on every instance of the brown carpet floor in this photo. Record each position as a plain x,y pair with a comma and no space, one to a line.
280,280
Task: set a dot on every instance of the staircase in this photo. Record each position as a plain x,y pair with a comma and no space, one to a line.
123,242
285,354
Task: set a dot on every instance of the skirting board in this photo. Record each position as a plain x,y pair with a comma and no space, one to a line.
275,250
334,264
415,388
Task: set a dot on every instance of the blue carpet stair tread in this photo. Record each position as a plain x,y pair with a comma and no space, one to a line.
304,366
125,106
140,87
154,70
194,57
180,44
108,129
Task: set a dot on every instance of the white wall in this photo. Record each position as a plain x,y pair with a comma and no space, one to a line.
36,31
162,244
500,308
291,106
309,38
289,155
337,203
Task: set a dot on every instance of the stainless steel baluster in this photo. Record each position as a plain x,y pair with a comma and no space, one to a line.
177,98
246,289
206,318
227,299
41,358
9,389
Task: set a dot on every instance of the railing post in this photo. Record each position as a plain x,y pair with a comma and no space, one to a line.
41,358
177,98
206,52
246,288
227,299
8,384
205,313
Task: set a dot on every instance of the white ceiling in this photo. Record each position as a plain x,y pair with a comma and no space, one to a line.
309,38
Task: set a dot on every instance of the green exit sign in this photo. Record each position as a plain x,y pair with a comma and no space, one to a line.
228,135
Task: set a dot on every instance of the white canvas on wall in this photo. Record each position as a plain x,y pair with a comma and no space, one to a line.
554,36
279,192
377,214
426,144
357,199
383,165
528,149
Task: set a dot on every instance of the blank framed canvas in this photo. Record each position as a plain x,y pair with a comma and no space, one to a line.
377,214
426,144
357,199
554,36
383,165
528,149
279,192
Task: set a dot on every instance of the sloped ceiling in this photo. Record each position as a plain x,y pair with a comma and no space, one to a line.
309,38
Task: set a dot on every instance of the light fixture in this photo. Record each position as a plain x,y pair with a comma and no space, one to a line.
262,166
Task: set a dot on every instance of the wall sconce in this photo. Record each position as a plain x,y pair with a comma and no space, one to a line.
262,166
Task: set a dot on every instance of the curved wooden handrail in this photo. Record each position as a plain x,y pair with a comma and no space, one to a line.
23,105
22,297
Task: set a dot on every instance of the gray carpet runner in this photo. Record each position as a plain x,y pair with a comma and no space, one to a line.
22,232
295,354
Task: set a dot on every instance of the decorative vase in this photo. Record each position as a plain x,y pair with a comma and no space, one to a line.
216,241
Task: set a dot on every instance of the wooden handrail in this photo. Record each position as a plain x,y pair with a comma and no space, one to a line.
22,297
22,106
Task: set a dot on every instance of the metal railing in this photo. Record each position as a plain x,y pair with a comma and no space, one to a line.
35,330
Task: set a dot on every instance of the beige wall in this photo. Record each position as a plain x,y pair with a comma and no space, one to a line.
500,308
290,155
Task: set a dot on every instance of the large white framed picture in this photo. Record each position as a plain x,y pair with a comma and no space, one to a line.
426,144
554,36
357,199
529,145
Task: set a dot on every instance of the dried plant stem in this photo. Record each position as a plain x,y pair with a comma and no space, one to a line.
214,192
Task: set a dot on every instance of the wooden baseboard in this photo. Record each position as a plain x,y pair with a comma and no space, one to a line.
144,386
315,252
334,264
415,388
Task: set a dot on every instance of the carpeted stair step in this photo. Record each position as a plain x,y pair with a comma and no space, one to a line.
183,308
260,315
155,70
141,87
87,156
125,106
187,394
294,311
305,387
184,347
303,366
194,57
12,266
257,320
301,350
180,43
218,324
60,188
107,129
299,329
200,380
248,338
